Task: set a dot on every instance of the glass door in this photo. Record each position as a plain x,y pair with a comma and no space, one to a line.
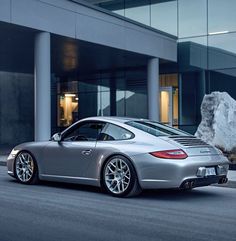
169,111
166,105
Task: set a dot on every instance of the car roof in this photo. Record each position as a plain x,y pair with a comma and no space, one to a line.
112,118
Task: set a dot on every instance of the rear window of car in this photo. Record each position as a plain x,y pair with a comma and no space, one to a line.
155,128
113,132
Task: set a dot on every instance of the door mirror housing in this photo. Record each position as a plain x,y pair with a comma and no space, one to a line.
56,137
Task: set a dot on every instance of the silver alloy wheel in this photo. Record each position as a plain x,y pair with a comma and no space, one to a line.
24,167
117,175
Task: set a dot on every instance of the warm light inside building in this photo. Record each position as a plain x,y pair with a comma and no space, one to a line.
68,109
165,102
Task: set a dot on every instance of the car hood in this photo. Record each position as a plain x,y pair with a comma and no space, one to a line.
31,145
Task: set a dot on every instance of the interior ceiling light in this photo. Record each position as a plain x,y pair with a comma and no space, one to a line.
70,95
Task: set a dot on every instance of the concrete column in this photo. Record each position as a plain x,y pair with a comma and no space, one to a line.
153,89
42,75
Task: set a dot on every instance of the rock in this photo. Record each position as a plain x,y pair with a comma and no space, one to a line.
218,125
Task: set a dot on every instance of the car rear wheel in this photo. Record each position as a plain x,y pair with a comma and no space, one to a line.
26,170
119,177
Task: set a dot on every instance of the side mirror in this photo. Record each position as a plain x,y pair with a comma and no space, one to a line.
56,137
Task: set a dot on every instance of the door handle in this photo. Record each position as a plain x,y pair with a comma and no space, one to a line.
86,152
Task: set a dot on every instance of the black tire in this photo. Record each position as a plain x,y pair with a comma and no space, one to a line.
34,179
132,189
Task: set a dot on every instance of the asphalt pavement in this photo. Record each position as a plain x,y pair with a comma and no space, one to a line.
63,212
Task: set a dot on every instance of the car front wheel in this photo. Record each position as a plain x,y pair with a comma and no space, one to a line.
26,170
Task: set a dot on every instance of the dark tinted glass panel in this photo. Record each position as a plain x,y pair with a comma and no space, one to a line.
223,80
164,16
116,6
192,53
222,51
89,104
89,85
192,89
221,16
192,18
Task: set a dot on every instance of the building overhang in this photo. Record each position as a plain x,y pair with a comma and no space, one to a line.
86,22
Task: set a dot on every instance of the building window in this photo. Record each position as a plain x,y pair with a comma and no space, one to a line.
164,16
67,103
169,99
192,18
138,11
221,16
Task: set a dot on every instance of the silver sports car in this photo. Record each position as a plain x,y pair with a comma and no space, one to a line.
120,155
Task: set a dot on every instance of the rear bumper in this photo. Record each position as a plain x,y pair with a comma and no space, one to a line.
205,181
155,173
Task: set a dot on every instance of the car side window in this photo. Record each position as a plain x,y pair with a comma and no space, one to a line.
88,131
113,132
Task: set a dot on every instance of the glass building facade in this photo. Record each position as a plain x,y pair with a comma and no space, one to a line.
101,94
90,78
206,31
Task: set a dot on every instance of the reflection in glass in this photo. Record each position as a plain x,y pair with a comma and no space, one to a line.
116,6
138,11
132,108
192,18
222,51
164,16
105,109
120,103
120,12
221,16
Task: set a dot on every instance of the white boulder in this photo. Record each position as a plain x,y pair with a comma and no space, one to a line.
218,125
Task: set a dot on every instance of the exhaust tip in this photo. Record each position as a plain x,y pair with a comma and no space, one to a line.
223,180
188,185
192,184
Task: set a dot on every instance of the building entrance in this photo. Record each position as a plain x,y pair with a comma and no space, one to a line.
169,105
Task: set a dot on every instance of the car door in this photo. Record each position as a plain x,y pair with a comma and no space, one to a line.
73,154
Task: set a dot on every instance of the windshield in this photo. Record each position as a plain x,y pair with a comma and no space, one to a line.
156,129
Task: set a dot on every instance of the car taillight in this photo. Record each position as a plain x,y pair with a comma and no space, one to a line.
170,154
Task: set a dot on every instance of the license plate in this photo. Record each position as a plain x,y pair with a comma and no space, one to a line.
210,171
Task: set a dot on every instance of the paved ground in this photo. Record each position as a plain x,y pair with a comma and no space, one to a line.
61,212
